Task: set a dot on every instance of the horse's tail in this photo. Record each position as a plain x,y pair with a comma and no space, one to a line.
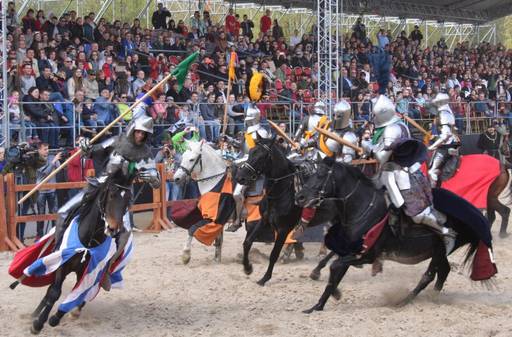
473,229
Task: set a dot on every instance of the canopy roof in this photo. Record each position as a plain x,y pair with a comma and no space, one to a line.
463,11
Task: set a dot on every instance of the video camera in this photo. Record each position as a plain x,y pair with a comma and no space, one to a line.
18,154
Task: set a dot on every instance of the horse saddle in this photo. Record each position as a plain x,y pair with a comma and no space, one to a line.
450,167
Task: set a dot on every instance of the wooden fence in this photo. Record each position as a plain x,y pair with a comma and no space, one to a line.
9,218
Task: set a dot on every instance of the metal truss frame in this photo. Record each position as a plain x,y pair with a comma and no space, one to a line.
4,111
328,51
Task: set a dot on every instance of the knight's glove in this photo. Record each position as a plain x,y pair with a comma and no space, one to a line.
85,146
150,176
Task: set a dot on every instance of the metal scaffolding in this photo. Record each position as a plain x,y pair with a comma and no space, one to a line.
4,111
329,51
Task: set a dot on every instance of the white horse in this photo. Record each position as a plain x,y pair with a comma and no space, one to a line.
204,165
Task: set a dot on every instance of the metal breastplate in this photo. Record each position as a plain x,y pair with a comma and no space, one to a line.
312,122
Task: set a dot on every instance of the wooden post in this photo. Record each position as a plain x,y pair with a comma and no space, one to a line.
12,241
164,221
3,218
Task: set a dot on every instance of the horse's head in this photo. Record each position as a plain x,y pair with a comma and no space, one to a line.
115,202
191,162
258,162
319,186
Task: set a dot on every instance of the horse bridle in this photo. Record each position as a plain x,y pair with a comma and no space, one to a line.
199,160
102,202
254,172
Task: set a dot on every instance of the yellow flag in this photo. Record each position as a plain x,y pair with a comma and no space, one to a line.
231,69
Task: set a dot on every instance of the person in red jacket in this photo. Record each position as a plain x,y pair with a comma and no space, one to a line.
231,23
265,22
77,169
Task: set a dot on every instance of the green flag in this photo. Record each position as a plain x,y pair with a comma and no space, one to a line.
181,71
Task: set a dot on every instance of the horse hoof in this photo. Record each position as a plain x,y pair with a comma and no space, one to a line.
185,257
504,235
261,282
248,270
311,310
299,255
54,321
75,313
336,294
315,275
36,327
404,302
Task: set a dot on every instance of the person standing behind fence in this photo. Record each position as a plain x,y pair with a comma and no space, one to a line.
46,196
77,169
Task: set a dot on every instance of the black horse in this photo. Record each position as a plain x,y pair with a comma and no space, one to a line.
359,206
108,200
278,208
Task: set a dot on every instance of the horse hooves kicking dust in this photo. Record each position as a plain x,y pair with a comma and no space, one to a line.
185,257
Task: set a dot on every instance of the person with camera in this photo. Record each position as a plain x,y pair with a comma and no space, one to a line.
23,161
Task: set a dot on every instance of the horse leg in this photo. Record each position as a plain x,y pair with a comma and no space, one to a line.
76,312
218,247
494,205
315,274
249,239
287,252
443,269
185,255
338,269
53,294
55,319
274,255
428,277
299,250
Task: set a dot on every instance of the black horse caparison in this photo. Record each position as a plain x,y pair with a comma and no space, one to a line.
278,208
109,201
359,206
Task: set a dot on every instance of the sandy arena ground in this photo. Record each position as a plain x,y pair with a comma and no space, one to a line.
162,297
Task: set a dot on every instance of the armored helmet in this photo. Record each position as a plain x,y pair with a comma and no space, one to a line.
342,113
383,112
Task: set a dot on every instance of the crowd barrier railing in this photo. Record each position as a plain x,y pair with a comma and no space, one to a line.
9,217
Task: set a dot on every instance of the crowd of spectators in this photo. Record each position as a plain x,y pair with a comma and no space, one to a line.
70,76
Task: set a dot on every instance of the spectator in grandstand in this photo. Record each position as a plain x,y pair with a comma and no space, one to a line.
27,80
159,113
277,31
416,35
482,106
265,22
247,25
159,18
2,158
75,83
104,108
210,118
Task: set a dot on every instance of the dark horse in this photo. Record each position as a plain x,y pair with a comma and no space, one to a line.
278,208
109,200
359,206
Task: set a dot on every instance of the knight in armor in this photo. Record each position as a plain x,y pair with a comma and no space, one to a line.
128,154
447,143
406,186
341,126
306,134
254,131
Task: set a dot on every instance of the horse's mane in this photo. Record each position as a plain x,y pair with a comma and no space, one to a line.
356,173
